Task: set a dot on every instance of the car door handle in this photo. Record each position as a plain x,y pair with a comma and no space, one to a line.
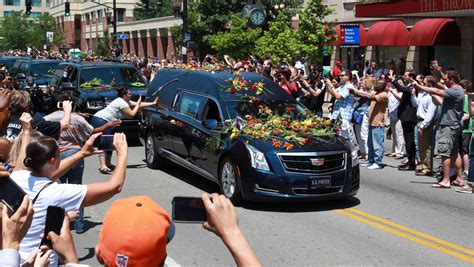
172,121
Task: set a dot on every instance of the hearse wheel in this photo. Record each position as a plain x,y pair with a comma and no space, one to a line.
153,159
230,181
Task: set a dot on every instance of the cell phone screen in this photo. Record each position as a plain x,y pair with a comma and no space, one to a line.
105,142
60,105
188,210
54,222
11,194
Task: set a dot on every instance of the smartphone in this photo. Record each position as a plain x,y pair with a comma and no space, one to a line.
54,222
60,105
188,210
105,142
11,194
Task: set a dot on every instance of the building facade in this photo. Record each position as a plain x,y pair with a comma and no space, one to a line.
415,30
7,7
88,20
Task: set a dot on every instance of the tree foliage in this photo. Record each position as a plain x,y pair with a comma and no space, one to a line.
14,31
238,42
104,44
156,9
314,31
280,40
40,26
19,32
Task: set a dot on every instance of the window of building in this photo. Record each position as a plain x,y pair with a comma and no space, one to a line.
100,15
120,14
35,14
36,3
8,13
11,2
88,19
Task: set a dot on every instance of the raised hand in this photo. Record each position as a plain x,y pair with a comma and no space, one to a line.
120,143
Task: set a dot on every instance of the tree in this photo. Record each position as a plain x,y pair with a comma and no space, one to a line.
104,44
14,31
314,31
280,40
156,9
41,25
238,42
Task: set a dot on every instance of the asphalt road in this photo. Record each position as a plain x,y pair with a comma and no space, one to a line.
395,219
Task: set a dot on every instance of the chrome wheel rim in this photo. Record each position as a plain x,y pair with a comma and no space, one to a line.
228,179
150,147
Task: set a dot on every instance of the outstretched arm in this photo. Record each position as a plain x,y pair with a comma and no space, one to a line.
100,192
222,221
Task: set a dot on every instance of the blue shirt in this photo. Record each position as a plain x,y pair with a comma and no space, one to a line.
344,106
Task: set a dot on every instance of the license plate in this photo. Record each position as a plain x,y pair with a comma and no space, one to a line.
318,182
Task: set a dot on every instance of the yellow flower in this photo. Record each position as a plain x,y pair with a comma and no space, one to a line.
307,122
327,122
234,134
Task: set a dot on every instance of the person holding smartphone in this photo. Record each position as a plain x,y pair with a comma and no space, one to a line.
119,108
38,167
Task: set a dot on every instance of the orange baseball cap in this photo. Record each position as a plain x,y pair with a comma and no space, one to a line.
134,233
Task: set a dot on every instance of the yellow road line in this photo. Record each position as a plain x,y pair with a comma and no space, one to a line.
414,232
407,236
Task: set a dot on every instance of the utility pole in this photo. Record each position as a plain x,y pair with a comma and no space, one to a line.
114,7
185,30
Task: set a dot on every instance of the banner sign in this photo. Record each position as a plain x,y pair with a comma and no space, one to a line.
350,35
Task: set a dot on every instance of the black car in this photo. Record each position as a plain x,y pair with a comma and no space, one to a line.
95,84
9,61
193,111
40,69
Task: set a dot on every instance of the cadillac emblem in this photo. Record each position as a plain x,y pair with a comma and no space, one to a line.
317,162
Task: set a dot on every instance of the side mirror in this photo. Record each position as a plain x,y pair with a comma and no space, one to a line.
210,124
20,76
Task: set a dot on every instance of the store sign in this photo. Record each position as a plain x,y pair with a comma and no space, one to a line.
350,34
445,5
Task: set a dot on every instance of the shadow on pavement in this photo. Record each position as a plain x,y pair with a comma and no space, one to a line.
90,254
136,166
303,206
87,224
191,178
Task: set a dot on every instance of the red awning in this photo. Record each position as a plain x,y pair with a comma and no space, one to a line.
340,35
413,8
388,33
427,32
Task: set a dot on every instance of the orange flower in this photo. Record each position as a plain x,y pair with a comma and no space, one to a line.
288,146
276,143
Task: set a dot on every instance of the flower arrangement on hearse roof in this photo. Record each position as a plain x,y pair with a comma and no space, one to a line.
283,130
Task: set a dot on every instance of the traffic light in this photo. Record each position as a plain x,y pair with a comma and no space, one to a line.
28,7
67,9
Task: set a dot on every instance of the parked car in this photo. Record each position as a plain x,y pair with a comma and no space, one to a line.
96,83
194,108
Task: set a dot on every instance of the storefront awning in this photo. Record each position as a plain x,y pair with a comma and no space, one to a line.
340,35
416,8
427,32
388,33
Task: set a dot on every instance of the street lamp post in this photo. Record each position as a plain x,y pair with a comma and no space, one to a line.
184,15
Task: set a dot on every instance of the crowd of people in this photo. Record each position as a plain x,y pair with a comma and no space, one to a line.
51,149
429,115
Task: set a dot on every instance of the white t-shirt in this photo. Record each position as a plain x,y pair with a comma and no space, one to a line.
68,196
113,111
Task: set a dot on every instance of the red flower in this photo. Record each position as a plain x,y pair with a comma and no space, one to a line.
307,141
248,117
232,91
290,108
275,132
252,87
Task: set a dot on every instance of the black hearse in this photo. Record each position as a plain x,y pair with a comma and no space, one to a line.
194,107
